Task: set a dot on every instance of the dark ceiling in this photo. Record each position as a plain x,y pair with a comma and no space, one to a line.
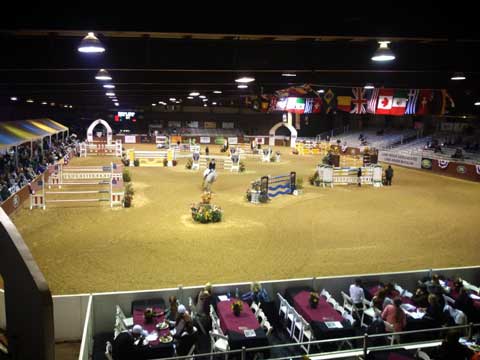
162,53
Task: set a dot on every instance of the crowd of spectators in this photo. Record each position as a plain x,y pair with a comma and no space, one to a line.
31,162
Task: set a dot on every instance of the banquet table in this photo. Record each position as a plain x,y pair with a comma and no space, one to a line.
155,348
391,355
237,327
320,318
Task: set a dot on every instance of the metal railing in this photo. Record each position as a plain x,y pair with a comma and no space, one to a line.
362,351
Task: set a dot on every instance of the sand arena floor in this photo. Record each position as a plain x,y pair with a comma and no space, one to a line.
423,221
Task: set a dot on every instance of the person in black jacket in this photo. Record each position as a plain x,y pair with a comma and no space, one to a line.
359,176
389,175
125,346
452,349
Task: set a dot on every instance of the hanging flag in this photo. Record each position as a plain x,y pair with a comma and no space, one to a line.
385,100
317,105
264,106
344,103
372,101
424,101
281,104
329,101
412,101
296,105
359,101
308,106
399,103
447,103
273,104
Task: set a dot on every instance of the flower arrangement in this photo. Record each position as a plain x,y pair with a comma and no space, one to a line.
148,314
237,307
241,166
204,212
126,176
189,164
313,299
128,195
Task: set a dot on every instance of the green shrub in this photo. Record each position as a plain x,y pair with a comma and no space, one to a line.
241,166
126,176
128,196
136,162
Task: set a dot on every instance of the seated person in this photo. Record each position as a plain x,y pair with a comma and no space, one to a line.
183,318
128,345
452,349
186,340
458,154
257,294
356,293
464,303
171,313
381,300
420,298
377,327
434,312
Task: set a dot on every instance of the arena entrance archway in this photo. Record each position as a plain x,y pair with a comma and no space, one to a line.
293,133
95,123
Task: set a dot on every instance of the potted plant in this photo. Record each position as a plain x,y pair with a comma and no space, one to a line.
148,314
126,176
189,164
313,299
165,162
237,307
128,196
136,162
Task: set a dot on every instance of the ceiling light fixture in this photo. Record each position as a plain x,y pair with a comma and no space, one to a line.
368,86
117,104
70,106
194,93
103,75
205,105
383,53
321,91
52,104
91,44
214,103
458,76
172,99
202,96
245,79
14,98
477,103
30,101
44,103
289,74
109,93
242,86
109,86
65,106
153,104
190,97
217,92
204,100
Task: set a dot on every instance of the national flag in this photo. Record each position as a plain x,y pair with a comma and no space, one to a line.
308,106
424,101
317,105
264,106
413,95
273,104
329,101
399,103
344,103
372,101
296,105
359,101
385,100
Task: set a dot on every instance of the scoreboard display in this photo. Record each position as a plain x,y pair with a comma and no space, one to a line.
125,116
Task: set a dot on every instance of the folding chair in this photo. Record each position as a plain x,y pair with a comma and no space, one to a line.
291,318
306,334
264,323
340,309
297,332
108,351
348,303
349,318
218,343
422,355
332,302
369,312
256,308
325,294
283,307
393,338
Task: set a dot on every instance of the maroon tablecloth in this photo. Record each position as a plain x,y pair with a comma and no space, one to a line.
323,312
230,322
139,319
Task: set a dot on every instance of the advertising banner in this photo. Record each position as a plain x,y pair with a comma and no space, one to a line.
204,140
227,125
210,125
130,139
233,140
391,157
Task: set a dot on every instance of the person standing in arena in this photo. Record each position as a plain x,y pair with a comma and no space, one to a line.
359,176
389,175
